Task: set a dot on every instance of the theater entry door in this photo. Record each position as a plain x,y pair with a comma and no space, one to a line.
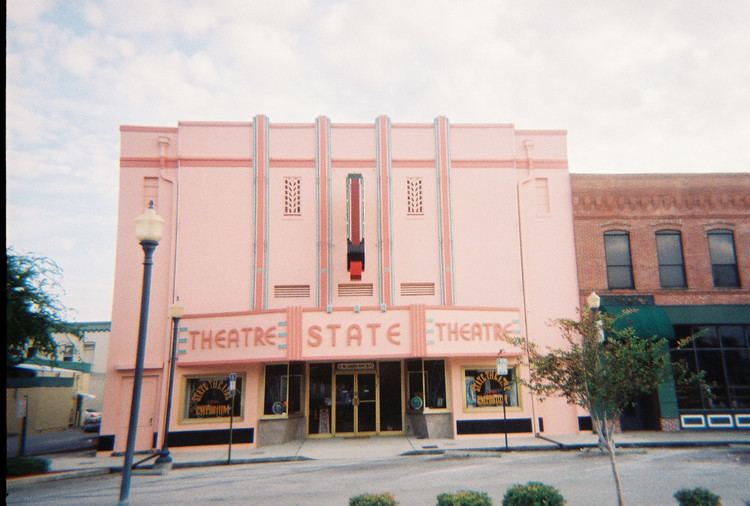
356,403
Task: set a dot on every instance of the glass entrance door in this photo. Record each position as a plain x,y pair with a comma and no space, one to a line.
356,403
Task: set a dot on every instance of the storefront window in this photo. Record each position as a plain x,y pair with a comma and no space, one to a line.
209,397
426,383
484,388
723,353
283,391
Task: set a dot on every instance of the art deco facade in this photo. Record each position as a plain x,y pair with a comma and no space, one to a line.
360,279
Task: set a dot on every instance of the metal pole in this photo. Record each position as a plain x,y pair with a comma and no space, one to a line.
165,457
25,426
231,419
505,421
148,253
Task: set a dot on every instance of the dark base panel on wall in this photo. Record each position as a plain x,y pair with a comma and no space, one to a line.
512,425
541,424
210,437
584,423
105,443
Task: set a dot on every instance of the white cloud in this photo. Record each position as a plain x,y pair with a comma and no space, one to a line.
640,86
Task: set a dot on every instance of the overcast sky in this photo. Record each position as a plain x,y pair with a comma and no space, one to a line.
650,86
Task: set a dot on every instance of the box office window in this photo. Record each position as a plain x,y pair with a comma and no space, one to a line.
723,258
486,389
209,397
426,384
619,264
283,389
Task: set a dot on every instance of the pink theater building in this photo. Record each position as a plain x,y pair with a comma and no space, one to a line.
360,279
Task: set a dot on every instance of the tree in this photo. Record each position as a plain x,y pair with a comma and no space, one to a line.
603,375
33,309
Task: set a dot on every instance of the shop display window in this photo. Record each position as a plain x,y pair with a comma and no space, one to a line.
208,397
722,352
484,388
283,389
426,384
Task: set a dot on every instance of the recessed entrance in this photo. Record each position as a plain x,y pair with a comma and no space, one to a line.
355,398
356,403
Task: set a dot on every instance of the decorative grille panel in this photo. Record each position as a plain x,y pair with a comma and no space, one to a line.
292,196
414,204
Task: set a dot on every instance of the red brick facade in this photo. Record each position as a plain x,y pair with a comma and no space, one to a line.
643,204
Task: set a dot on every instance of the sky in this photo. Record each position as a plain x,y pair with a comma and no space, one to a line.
640,86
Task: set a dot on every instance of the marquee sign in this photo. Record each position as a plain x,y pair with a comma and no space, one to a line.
478,332
347,335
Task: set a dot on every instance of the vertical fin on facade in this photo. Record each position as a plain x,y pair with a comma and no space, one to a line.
323,168
260,183
445,229
383,168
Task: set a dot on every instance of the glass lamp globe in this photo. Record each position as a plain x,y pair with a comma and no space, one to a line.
149,225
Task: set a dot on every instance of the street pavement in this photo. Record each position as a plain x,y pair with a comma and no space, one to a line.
346,468
71,452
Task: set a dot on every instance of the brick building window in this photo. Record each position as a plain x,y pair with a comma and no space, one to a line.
671,261
723,258
619,264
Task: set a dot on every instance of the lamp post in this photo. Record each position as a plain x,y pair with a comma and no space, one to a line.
594,303
148,230
175,311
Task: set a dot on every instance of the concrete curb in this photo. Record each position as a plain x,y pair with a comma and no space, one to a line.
218,462
25,481
577,446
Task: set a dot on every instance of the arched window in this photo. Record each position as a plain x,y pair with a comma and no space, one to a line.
723,258
619,264
671,261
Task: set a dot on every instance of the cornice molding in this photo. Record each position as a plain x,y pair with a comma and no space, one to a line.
611,201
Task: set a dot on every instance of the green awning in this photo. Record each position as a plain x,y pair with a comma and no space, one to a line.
647,321
737,314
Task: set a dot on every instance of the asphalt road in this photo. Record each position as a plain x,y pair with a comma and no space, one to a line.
584,478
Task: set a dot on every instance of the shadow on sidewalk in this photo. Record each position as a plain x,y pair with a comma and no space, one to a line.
64,441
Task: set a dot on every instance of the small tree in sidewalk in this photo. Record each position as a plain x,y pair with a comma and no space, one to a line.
602,375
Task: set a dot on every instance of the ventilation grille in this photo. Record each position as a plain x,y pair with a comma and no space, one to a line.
355,290
291,291
292,197
414,206
413,289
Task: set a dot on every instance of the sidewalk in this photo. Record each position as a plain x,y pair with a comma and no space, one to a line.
66,466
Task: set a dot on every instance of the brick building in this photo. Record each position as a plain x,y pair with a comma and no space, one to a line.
678,248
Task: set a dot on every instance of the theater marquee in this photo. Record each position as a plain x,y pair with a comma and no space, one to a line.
345,334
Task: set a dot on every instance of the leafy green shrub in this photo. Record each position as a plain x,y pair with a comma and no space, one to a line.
533,494
464,498
19,466
697,497
385,499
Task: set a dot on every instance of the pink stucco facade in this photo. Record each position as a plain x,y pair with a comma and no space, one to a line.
468,239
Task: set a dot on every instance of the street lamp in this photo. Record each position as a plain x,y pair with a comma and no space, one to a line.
175,311
594,303
148,230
